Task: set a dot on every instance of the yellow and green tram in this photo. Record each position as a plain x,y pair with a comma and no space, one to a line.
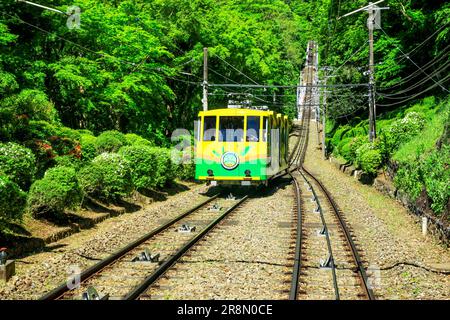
241,146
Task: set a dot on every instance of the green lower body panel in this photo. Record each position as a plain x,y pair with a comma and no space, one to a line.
259,171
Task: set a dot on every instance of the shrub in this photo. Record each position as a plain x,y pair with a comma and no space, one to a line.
143,165
403,129
41,130
408,178
436,175
339,134
44,154
88,147
344,148
57,191
12,200
17,163
167,169
110,141
65,146
68,133
85,132
368,158
186,166
354,145
134,139
68,161
108,177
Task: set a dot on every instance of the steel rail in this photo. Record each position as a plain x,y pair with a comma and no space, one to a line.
59,291
298,244
140,289
356,257
327,235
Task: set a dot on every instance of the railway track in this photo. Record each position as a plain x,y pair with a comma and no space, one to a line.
128,272
327,263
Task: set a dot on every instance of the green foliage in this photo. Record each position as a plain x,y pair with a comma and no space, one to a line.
88,147
134,139
108,177
110,141
143,161
354,145
17,163
402,130
426,140
68,161
344,148
337,137
12,201
57,191
368,158
436,173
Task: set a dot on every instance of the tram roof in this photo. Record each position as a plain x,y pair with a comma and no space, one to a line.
236,112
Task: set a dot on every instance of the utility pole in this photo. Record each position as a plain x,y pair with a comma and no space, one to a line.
324,151
205,79
372,114
373,22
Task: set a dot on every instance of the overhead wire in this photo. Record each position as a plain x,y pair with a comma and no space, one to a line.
413,61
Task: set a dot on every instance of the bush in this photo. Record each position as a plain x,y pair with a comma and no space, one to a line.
368,158
143,162
88,147
167,169
85,132
110,141
12,200
186,166
41,130
354,145
108,177
68,161
134,139
57,191
402,130
17,163
339,134
436,175
344,148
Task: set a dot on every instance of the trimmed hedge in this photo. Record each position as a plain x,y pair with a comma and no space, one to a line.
110,141
88,147
12,200
134,139
108,177
368,158
57,191
144,167
17,163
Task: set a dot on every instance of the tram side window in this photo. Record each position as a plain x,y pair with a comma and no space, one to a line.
253,129
231,129
265,125
209,128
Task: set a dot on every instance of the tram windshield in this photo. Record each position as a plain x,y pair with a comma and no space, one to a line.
209,128
231,129
252,129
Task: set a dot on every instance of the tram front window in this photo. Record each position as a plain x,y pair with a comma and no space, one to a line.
253,129
231,129
209,128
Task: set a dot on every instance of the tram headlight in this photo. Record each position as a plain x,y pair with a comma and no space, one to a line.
210,172
248,173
